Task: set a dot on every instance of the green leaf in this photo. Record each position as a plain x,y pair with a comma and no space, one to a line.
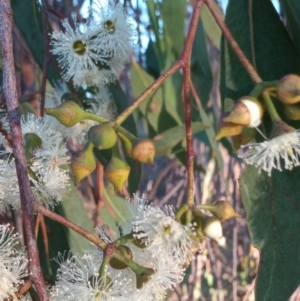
273,215
291,10
27,17
264,39
152,6
173,14
72,208
210,25
152,62
165,141
118,205
121,102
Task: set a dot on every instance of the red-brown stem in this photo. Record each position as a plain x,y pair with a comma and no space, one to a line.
62,220
11,97
47,58
148,92
186,59
212,6
40,222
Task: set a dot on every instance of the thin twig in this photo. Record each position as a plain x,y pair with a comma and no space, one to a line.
62,220
40,222
148,92
47,57
11,97
212,6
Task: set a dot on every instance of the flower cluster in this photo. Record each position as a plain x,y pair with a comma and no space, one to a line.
158,243
13,264
95,52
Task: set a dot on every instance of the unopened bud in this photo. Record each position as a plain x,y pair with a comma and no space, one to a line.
68,113
143,151
288,89
228,129
117,170
292,112
84,163
32,141
220,209
103,136
212,228
247,111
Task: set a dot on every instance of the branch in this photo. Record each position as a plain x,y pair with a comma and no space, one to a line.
186,59
62,220
212,6
11,97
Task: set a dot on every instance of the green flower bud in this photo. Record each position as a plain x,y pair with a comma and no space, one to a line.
32,141
68,113
143,151
84,163
247,111
103,136
288,89
220,209
117,170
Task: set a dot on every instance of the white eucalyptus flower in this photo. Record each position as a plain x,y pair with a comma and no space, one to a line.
270,154
167,273
102,103
78,279
9,189
51,157
50,181
13,263
91,77
42,127
51,186
78,52
114,32
161,233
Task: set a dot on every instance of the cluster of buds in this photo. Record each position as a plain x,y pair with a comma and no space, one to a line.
246,115
103,136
